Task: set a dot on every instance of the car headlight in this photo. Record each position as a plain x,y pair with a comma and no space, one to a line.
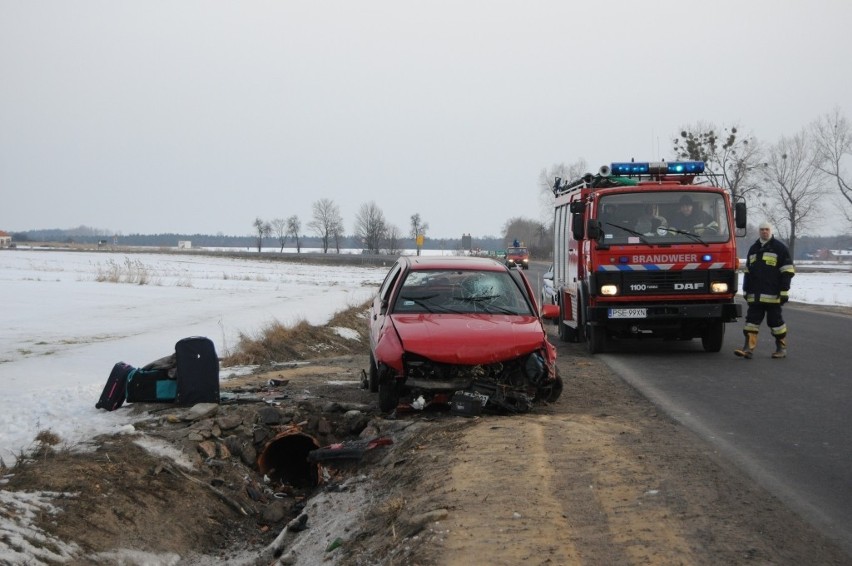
609,289
718,287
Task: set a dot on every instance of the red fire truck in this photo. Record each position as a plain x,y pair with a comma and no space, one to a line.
642,250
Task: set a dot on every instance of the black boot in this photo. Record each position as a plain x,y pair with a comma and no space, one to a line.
780,348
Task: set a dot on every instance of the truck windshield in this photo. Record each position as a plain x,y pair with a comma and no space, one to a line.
669,217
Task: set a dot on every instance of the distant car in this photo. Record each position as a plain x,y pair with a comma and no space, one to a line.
518,256
446,325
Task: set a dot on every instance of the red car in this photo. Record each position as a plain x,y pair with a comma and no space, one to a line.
518,256
441,326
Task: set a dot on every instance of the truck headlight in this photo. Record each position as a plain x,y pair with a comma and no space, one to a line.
609,289
718,287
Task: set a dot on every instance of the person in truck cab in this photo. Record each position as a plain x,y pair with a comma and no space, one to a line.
691,218
611,217
650,222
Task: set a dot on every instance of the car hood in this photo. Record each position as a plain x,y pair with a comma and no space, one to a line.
468,339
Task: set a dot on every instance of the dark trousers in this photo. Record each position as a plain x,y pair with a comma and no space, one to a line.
754,317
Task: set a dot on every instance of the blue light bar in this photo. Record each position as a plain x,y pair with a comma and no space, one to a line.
686,167
630,168
658,168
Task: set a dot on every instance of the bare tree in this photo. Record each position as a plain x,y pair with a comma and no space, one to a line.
263,230
326,218
279,229
569,172
833,139
393,237
370,226
794,186
294,226
735,158
418,228
337,233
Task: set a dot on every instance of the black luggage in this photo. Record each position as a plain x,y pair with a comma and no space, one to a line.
114,392
197,371
150,386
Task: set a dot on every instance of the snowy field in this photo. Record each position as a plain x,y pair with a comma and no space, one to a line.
65,323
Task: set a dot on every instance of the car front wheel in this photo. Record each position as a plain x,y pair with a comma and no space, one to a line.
388,395
373,375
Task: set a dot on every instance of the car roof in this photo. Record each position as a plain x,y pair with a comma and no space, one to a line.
418,263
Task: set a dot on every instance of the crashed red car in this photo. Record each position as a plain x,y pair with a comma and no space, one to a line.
441,326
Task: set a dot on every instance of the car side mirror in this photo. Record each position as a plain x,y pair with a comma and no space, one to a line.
577,226
550,312
740,214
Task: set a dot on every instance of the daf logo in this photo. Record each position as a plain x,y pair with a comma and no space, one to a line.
688,286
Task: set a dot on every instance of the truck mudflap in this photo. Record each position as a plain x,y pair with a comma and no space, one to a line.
664,313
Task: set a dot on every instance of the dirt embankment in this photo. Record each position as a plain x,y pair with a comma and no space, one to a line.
599,477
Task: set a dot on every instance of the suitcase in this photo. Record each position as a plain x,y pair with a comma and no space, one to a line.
197,371
115,390
151,386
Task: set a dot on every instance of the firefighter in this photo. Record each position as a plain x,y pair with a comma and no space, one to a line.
766,286
692,219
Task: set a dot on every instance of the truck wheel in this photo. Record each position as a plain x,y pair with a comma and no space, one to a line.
595,339
563,328
713,336
373,375
595,335
388,395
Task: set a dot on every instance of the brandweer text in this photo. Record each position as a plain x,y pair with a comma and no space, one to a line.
665,258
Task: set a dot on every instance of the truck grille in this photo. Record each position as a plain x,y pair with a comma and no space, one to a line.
672,282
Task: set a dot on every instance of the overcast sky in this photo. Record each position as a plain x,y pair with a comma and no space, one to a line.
199,116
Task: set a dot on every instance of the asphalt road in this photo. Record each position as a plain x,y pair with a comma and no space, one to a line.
788,423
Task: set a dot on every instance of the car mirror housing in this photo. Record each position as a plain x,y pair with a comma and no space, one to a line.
550,312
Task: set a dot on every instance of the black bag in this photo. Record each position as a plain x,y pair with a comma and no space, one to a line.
197,371
115,390
150,386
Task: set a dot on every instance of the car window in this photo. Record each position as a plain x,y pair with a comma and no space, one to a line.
461,291
389,281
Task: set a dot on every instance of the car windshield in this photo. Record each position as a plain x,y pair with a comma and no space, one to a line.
461,291
670,217
516,251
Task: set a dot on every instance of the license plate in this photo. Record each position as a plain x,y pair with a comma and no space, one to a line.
628,313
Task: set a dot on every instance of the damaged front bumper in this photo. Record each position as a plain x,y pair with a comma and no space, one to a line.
508,386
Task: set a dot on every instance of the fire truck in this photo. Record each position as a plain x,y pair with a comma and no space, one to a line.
645,250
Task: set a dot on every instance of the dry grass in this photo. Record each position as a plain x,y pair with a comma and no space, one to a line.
131,271
301,341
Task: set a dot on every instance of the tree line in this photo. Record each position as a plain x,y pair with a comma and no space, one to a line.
372,231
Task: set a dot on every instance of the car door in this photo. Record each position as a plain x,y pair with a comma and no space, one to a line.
381,304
